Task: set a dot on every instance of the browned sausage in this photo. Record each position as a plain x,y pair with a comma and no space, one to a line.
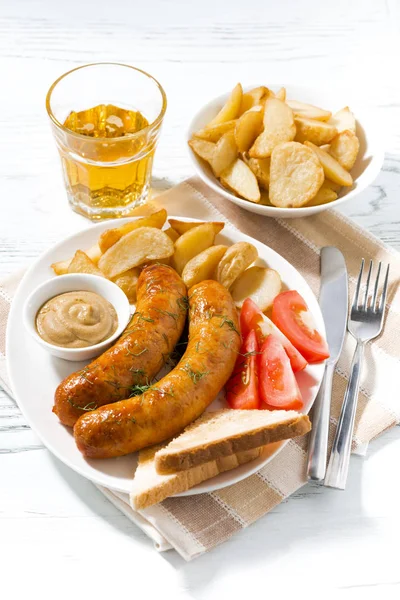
139,353
180,397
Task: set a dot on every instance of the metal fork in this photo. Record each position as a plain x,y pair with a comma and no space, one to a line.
365,323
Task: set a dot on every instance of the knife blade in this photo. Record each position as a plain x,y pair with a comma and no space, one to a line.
333,300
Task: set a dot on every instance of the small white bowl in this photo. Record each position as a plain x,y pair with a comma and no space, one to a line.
70,283
369,161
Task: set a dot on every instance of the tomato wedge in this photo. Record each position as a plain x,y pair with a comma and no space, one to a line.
242,387
251,317
277,384
291,315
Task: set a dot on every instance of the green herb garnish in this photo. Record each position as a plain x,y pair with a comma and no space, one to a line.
88,407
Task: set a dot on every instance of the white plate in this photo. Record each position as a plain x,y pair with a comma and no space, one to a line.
368,164
35,374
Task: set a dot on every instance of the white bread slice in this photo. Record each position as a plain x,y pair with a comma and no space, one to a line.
149,487
225,432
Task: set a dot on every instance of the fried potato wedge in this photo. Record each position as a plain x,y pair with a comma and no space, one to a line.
61,267
248,128
183,226
213,132
203,266
191,243
317,132
281,94
241,179
279,127
295,176
261,168
260,284
225,152
343,120
127,282
231,108
236,259
172,234
308,111
112,236
345,147
202,148
256,96
134,249
323,196
81,263
332,169
331,185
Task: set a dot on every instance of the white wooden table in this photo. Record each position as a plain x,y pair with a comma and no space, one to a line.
58,535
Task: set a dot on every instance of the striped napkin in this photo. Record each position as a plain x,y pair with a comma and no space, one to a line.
195,524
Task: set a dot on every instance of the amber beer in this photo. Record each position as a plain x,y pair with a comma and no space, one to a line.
106,149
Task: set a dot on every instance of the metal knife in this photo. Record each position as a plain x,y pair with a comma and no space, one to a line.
333,300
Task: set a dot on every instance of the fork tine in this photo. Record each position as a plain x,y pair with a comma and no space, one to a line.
382,302
367,286
373,303
357,290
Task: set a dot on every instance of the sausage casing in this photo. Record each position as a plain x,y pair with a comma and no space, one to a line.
139,353
181,396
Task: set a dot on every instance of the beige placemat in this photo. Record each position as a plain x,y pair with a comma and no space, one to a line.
195,524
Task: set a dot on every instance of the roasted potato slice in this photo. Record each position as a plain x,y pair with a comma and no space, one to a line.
111,236
261,168
247,128
202,148
236,259
260,284
231,108
256,96
192,243
61,267
281,94
81,263
225,152
343,120
278,127
183,226
203,266
331,185
241,179
135,248
213,133
308,111
172,233
344,147
323,196
317,132
295,176
127,282
332,169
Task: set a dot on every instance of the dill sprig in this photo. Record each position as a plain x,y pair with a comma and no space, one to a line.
167,313
138,390
195,376
140,317
183,304
83,372
130,353
87,407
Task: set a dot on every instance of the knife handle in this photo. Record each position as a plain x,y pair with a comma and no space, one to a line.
318,445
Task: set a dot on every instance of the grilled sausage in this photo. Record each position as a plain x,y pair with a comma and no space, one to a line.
139,353
179,398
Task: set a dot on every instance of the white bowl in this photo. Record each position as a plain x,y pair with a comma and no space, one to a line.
70,283
369,161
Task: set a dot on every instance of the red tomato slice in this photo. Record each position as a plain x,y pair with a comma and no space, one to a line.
277,384
290,313
251,317
242,387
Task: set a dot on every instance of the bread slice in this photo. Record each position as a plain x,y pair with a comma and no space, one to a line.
225,432
149,487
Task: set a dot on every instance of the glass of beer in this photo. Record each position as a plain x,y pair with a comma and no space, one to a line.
106,119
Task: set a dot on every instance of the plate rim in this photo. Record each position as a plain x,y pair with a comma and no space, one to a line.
49,446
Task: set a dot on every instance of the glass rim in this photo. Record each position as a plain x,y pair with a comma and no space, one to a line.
157,121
